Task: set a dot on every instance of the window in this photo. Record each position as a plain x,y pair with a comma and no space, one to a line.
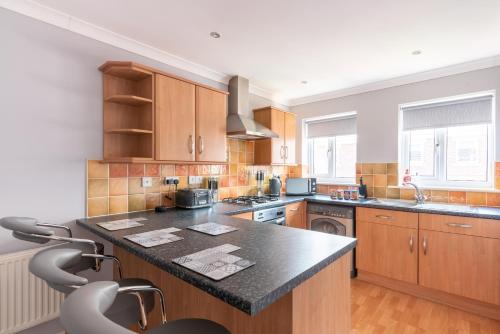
331,148
449,143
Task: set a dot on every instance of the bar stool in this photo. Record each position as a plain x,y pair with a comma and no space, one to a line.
30,229
51,265
84,310
91,257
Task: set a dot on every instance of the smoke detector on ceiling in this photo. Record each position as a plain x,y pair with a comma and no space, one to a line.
214,34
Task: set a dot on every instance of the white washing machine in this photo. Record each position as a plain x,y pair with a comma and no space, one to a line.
333,219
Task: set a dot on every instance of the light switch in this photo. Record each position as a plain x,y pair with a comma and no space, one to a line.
147,182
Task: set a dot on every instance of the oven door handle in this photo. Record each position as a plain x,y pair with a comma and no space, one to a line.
280,221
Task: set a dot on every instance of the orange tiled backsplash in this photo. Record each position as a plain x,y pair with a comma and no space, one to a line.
116,188
382,181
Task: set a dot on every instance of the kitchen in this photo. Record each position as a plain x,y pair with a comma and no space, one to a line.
385,188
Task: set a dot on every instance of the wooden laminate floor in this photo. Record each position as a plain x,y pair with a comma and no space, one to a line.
378,310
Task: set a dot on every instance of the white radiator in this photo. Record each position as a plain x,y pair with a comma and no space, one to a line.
25,300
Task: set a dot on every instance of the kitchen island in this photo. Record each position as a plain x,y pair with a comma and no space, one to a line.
299,284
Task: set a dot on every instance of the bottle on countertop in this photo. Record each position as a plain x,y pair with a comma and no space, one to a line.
363,191
340,194
407,176
354,194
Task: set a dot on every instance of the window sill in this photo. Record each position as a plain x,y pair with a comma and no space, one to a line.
488,190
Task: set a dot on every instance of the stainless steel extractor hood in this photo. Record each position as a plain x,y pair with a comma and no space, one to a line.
238,125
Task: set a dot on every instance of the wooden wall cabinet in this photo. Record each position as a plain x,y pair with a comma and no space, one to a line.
276,151
128,121
211,115
150,115
175,119
296,215
387,243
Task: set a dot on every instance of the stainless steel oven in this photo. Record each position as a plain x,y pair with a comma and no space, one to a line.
274,215
333,219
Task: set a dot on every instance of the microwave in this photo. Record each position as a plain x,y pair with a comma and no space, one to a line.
301,186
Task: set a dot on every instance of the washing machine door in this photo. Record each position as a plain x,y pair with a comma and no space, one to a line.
338,226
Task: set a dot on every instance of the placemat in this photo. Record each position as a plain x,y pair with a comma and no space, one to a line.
122,224
212,228
215,263
155,238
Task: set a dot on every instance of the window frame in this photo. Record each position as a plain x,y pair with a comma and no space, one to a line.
440,155
307,150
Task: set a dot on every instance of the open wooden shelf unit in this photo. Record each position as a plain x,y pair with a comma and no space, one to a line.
128,122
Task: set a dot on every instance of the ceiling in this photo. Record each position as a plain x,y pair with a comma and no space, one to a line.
331,44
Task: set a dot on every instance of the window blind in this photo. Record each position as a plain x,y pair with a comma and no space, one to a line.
332,127
469,111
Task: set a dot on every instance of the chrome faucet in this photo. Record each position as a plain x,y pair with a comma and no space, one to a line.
419,194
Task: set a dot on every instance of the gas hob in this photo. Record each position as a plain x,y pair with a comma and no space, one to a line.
250,200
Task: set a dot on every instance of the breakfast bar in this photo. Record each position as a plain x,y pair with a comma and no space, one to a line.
300,282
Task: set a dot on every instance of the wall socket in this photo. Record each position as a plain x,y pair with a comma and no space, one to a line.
171,180
195,179
147,182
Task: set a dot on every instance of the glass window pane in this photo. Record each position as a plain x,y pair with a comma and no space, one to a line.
320,156
467,153
345,156
422,156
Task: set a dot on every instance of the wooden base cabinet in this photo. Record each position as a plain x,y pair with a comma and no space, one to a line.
387,250
463,265
444,258
296,215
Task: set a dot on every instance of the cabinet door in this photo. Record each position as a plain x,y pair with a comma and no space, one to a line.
464,265
295,215
387,250
290,129
245,215
211,113
174,119
278,144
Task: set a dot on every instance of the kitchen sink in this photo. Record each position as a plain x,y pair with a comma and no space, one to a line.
393,202
446,207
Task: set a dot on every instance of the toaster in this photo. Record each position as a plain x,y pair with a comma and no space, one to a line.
193,198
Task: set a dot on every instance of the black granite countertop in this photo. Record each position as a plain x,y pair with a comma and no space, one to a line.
285,257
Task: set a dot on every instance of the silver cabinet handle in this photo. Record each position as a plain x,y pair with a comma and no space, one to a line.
286,152
202,145
411,244
424,245
460,225
191,144
282,149
383,217
296,209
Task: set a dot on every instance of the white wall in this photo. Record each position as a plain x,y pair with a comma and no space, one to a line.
378,110
51,118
